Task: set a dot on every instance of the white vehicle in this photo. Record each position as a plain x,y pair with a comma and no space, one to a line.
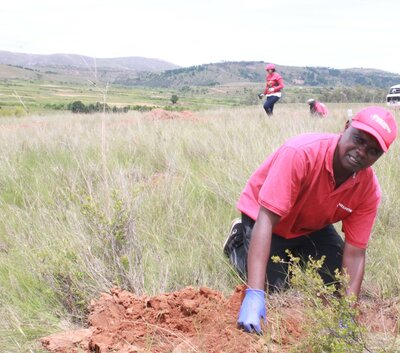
393,98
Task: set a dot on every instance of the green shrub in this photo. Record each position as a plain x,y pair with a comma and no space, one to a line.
77,107
174,99
331,316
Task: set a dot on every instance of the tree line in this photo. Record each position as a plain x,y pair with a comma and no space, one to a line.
82,108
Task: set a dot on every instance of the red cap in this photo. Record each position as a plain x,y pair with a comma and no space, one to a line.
270,67
378,122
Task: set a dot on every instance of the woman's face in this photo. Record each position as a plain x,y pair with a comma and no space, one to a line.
270,71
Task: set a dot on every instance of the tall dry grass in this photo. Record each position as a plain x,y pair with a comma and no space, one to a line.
158,223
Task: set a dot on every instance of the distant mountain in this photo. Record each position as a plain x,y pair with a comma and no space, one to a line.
254,71
63,61
138,71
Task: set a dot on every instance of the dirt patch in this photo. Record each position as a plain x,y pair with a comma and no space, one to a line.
158,114
161,114
61,342
60,94
380,315
193,320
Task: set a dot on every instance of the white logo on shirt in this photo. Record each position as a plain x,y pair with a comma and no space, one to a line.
344,207
381,122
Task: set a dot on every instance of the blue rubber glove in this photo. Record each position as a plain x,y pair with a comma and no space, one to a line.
252,309
343,325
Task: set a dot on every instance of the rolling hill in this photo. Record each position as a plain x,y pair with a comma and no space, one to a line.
138,71
63,61
235,72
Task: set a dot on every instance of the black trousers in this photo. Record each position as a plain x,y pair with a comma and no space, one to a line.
325,241
269,104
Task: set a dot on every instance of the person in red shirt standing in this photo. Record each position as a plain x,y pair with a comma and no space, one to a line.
274,85
318,109
294,197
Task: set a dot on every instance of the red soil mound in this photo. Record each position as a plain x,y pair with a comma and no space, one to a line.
161,114
192,321
158,114
186,321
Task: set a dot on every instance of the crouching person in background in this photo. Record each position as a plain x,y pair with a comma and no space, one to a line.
317,109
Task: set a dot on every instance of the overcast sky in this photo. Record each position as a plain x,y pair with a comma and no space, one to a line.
334,33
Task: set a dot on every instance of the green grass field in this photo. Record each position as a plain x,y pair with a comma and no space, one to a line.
44,96
92,201
22,97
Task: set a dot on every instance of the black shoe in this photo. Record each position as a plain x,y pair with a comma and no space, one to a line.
234,238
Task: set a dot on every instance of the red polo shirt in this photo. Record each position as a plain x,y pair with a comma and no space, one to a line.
274,81
321,109
297,183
